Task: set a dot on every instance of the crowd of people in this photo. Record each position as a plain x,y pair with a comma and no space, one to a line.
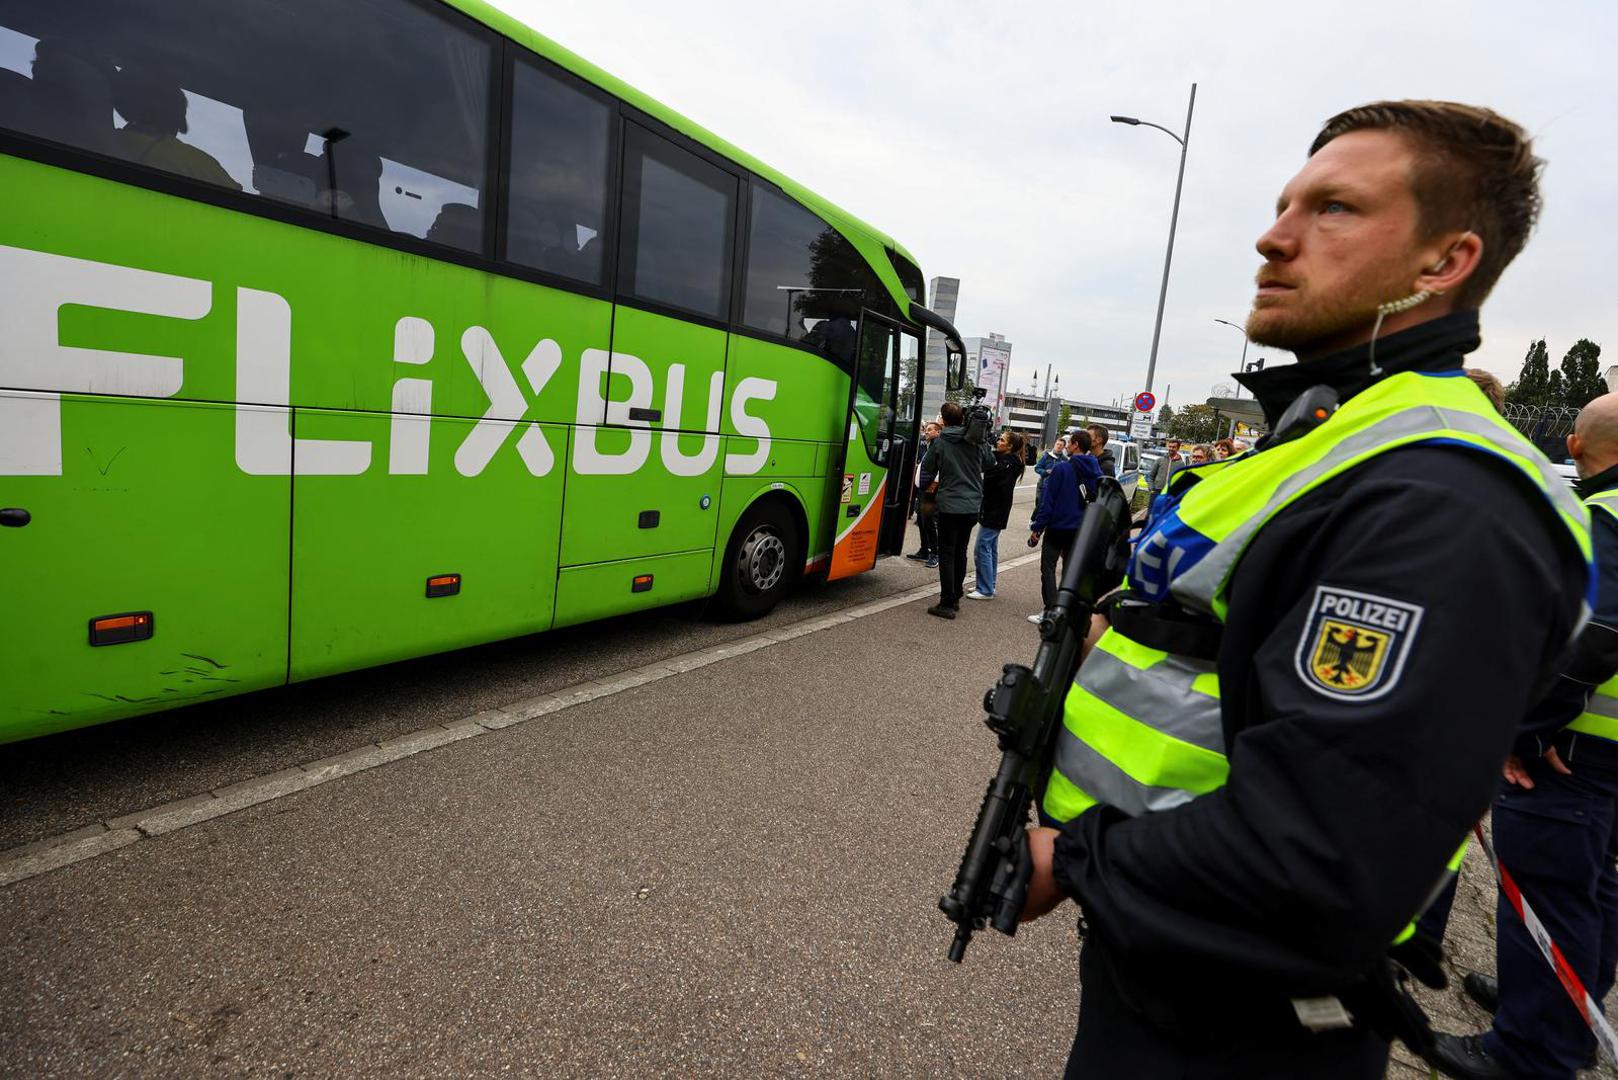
1196,454
961,485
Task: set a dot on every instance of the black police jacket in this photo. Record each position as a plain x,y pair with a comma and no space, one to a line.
1294,878
1592,662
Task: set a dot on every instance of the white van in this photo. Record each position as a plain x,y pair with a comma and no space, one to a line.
1129,467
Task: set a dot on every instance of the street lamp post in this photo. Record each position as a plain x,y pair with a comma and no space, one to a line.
1243,365
1174,218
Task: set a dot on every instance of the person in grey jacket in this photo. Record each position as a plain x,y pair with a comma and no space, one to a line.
959,466
1166,465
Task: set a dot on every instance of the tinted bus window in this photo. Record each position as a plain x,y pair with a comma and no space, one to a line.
909,276
560,140
372,111
678,221
805,281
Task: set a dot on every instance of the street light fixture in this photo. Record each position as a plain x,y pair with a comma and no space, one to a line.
1174,218
1243,365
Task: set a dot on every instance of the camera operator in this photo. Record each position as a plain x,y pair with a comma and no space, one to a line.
958,463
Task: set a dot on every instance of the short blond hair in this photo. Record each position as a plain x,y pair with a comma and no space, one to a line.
1490,386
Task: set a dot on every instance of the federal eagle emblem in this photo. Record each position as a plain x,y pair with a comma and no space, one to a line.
1354,644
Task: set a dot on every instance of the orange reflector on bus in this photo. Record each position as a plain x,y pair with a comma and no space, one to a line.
642,583
118,629
443,585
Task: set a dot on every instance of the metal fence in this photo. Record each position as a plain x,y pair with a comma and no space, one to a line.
1546,426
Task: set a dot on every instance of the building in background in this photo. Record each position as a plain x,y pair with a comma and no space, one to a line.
1115,418
1039,419
1033,417
943,294
988,363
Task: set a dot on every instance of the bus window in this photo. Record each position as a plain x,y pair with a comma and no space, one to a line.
374,111
805,282
909,276
909,395
560,140
678,219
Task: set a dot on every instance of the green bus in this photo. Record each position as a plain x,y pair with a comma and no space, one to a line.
337,333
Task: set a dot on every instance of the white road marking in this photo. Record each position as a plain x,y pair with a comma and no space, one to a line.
31,860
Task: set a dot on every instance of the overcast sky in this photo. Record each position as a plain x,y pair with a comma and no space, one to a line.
977,136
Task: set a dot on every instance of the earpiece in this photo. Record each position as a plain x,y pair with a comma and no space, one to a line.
1393,307
1441,263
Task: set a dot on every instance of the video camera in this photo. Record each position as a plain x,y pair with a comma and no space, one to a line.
978,417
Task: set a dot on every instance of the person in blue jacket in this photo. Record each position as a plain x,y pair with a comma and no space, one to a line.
1070,484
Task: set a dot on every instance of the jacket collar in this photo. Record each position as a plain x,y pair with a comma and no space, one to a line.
1601,481
1439,344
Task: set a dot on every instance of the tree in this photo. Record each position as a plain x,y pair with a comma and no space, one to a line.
963,396
910,386
1064,418
1581,374
1533,382
1193,423
1165,417
1555,390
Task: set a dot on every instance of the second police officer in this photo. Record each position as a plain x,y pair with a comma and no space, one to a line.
1556,823
1325,647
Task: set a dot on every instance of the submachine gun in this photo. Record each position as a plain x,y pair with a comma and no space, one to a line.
1025,713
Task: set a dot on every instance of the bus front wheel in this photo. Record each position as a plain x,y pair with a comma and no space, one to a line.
761,561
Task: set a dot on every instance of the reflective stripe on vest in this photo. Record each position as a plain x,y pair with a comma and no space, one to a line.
1122,761
1129,714
1600,716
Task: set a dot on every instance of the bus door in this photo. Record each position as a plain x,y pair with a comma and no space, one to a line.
869,450
904,452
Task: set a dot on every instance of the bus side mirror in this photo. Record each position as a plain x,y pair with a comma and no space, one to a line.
954,366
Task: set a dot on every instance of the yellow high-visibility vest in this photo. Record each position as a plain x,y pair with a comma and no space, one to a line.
1142,727
1600,716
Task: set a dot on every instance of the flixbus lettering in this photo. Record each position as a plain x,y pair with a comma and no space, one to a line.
35,286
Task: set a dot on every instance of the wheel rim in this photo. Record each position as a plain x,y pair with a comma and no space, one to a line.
762,561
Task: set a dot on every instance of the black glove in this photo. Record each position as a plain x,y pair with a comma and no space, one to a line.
1422,957
1382,1001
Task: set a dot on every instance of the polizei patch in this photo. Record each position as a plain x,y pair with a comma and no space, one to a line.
1355,644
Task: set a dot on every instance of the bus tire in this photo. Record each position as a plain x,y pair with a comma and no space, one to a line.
761,562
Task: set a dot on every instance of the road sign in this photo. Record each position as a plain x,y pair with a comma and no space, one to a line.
1145,401
1140,427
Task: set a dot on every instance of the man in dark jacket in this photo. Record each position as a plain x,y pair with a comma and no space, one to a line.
926,519
1105,461
1060,511
999,487
1242,930
1556,821
959,466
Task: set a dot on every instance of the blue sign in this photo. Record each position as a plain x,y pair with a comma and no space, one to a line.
1145,401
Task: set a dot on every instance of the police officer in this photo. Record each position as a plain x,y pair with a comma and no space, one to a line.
1556,821
1324,648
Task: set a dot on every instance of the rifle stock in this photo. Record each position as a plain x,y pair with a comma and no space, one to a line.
1025,712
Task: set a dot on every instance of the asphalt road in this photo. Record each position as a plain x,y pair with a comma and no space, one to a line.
52,785
730,871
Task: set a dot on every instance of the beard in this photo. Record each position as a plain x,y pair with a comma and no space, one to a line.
1310,324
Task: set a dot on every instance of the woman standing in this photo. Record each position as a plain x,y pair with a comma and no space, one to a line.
999,485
